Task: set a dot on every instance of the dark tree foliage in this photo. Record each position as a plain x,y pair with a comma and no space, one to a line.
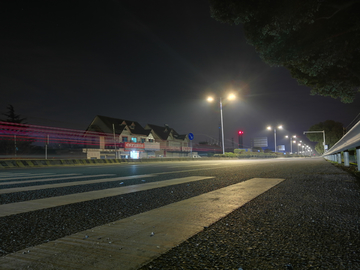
333,133
318,41
11,143
12,117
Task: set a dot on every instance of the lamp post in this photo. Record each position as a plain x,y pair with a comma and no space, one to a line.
323,132
279,127
210,99
291,140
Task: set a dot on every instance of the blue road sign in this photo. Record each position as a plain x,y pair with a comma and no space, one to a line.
191,136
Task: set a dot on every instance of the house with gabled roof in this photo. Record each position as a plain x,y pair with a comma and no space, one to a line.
122,139
119,138
172,144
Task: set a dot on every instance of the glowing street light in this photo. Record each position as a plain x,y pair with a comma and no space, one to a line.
270,128
211,99
291,140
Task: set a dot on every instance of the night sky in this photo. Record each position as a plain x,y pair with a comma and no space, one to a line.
64,62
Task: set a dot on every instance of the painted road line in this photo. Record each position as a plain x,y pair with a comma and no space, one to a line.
56,179
132,242
8,174
31,176
33,205
76,183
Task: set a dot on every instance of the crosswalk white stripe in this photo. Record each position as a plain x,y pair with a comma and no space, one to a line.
126,244
13,174
31,176
55,179
22,207
69,184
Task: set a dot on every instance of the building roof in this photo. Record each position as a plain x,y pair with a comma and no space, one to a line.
105,124
163,132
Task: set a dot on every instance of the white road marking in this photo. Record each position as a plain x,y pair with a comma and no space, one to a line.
132,242
69,184
55,179
30,176
26,206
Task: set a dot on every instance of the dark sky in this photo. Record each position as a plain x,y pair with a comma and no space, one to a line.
64,62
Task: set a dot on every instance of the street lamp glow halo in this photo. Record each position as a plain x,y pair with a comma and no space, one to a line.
210,99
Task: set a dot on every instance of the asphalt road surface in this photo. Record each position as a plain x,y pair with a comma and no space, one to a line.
205,214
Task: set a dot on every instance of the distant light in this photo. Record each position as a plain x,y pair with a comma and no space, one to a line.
240,132
210,99
269,127
231,97
280,127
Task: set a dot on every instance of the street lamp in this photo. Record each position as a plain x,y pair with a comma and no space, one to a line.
211,99
323,132
270,128
291,140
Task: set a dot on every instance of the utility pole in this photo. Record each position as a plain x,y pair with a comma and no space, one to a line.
114,141
46,146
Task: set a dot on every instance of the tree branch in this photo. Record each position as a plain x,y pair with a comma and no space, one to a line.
339,8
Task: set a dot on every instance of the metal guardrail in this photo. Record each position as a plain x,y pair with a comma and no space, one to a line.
350,141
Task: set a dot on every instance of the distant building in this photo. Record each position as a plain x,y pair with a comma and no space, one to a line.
172,144
119,138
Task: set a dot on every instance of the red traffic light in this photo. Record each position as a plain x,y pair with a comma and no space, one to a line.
240,132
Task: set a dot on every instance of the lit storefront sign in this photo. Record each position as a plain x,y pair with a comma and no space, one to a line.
132,145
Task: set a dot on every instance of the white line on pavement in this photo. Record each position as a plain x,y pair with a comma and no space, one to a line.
69,184
56,179
132,242
22,207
